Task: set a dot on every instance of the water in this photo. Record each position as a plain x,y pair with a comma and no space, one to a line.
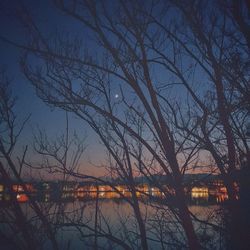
76,219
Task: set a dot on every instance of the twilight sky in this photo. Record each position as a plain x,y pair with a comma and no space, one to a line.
51,120
51,22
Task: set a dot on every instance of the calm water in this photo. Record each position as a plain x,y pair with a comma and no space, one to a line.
74,217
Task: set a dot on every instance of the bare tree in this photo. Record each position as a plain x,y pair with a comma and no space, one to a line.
218,116
83,84
165,87
11,170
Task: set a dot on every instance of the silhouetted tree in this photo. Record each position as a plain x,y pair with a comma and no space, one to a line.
162,84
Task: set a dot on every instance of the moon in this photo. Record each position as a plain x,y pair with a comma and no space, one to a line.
116,96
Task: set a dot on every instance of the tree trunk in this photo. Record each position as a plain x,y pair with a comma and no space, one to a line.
193,242
237,217
140,222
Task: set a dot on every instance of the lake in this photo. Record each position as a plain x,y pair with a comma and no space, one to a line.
76,216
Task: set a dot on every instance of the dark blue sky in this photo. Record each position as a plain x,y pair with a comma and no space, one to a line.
51,120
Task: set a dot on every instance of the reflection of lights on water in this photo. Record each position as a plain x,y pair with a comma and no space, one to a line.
221,198
7,197
199,195
199,192
47,197
217,194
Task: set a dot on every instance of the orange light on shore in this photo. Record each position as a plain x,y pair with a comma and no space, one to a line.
22,188
22,197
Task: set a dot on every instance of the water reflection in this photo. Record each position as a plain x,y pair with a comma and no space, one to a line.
119,216
71,192
80,206
196,196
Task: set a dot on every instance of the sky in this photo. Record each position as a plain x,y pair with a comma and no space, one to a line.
51,120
